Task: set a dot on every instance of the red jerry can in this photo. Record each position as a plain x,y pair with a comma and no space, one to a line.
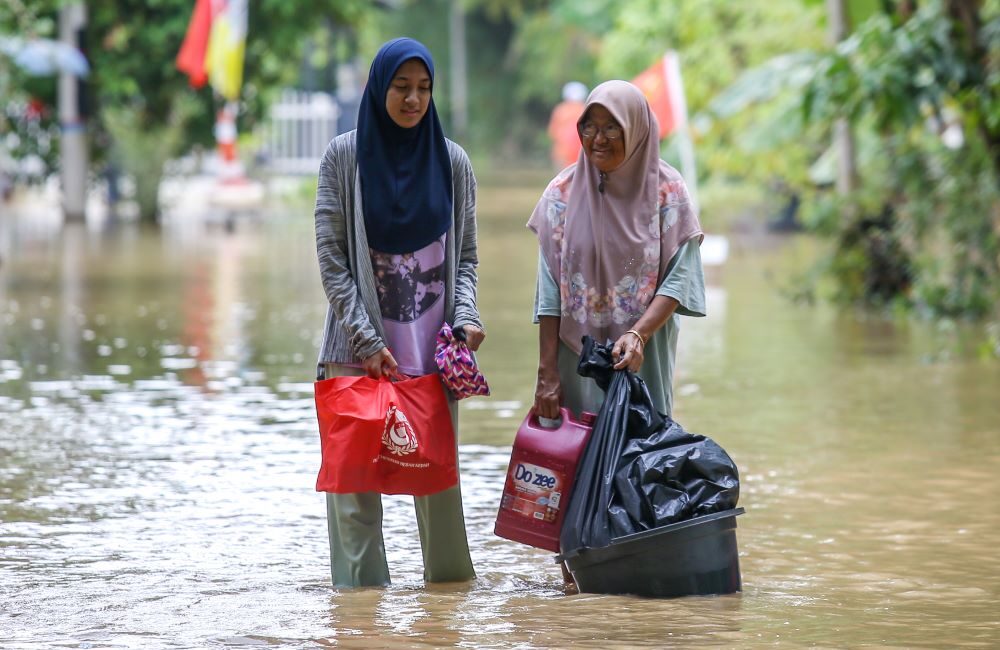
540,479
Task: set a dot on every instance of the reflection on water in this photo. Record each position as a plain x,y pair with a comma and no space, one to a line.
159,451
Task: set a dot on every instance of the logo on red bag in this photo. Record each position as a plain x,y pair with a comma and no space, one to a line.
398,436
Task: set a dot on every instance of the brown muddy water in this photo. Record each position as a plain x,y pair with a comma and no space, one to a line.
158,452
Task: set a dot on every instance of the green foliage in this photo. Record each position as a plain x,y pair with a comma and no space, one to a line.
717,40
28,128
558,46
132,45
893,74
522,53
921,92
903,83
143,148
519,55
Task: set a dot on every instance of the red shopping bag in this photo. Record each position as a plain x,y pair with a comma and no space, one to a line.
384,436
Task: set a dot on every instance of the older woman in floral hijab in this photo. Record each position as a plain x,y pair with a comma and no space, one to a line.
619,255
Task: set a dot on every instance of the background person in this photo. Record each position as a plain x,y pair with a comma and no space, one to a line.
396,239
562,125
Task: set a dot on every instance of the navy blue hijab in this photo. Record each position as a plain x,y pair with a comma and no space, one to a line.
405,173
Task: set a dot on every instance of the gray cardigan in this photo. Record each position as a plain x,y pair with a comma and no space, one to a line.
353,329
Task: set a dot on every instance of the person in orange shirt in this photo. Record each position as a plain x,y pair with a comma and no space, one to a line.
562,125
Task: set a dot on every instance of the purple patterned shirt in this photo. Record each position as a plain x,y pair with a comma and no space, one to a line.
411,299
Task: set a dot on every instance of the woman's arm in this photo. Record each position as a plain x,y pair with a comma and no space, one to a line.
467,279
332,250
548,388
629,347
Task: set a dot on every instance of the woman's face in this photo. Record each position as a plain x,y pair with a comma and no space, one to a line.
409,94
603,139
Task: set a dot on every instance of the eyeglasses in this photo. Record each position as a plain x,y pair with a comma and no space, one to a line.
610,132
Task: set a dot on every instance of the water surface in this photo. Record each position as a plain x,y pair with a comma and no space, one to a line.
158,453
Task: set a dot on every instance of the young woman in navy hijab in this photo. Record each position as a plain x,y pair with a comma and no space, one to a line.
396,239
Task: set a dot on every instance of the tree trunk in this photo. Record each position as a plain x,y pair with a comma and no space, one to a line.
843,136
458,81
73,138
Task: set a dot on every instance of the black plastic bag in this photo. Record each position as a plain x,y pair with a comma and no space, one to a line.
668,477
640,469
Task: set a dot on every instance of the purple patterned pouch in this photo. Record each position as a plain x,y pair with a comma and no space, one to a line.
459,372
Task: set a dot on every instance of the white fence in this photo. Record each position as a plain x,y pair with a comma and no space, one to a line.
300,127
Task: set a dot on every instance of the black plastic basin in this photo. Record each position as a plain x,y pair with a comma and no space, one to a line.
693,557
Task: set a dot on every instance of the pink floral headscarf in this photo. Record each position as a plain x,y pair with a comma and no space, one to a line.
609,250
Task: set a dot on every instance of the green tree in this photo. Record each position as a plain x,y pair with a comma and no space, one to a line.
32,132
521,53
132,44
717,41
920,85
923,82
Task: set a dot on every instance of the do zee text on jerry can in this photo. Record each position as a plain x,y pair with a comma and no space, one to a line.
540,479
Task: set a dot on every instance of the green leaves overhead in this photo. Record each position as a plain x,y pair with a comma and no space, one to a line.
920,89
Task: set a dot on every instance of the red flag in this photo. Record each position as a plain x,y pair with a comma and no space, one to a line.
191,57
661,85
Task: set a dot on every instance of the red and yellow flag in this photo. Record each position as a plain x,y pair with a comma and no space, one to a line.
661,84
191,57
214,45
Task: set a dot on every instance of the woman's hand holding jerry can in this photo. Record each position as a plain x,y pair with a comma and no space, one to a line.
547,394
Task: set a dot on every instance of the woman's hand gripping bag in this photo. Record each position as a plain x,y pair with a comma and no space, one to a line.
383,436
459,372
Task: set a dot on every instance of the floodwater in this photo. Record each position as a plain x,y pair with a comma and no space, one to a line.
158,453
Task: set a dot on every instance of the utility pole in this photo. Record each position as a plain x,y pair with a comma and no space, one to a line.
843,136
459,73
73,135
